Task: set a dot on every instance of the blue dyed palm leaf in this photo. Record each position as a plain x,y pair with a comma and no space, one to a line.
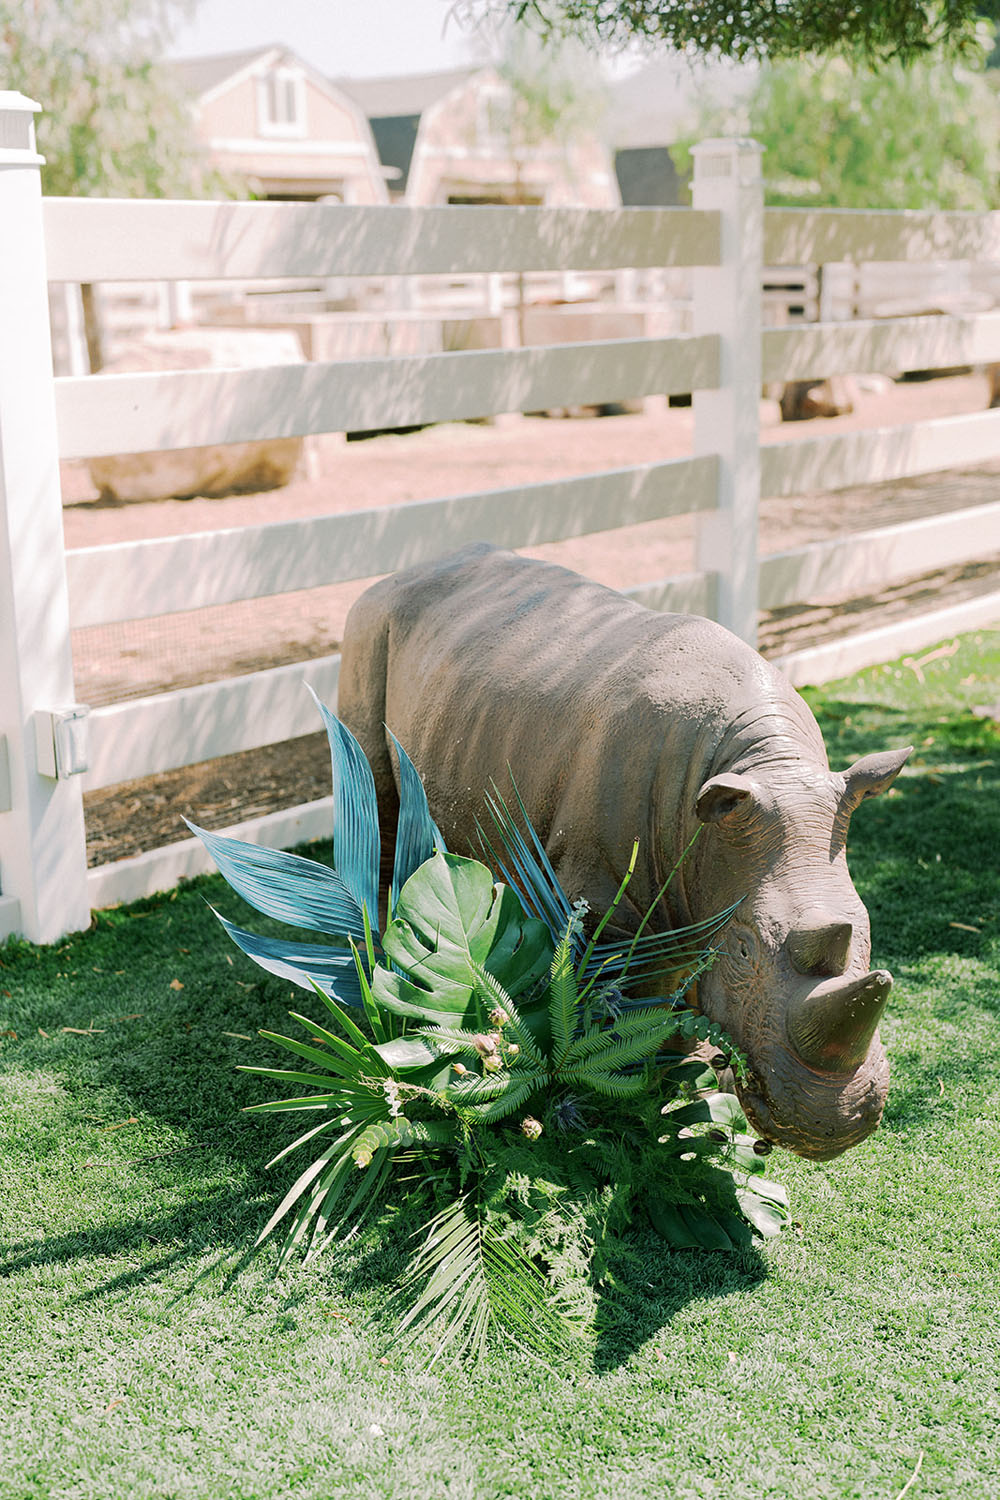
524,864
356,844
334,901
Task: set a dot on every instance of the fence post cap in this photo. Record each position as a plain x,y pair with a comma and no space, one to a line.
13,102
740,145
735,157
17,130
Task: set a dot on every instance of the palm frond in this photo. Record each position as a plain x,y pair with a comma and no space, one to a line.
417,835
355,814
337,1152
330,1221
309,965
531,869
286,886
467,1283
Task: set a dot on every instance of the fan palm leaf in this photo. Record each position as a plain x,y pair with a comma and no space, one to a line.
467,1282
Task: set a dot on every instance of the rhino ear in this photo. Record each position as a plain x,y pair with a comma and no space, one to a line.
873,774
723,797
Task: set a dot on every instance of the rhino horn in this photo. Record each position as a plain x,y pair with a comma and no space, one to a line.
820,946
873,774
832,1029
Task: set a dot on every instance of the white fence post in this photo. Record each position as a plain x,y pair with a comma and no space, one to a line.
43,865
727,301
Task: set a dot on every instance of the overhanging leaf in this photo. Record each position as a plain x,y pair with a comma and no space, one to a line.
305,964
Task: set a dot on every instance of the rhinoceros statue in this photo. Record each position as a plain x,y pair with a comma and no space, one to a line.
619,722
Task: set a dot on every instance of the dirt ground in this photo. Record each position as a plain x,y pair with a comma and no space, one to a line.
142,657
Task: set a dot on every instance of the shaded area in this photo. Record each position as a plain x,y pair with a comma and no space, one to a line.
137,815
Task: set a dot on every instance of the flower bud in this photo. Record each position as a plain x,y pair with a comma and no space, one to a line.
513,1049
492,1064
460,1069
531,1127
499,1017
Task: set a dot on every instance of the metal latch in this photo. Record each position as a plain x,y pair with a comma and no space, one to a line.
62,741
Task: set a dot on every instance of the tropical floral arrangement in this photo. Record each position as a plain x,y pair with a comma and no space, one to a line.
484,1061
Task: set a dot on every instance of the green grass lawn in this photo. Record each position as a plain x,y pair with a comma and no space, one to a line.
148,1353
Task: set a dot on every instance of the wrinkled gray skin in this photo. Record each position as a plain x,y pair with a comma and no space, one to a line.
619,723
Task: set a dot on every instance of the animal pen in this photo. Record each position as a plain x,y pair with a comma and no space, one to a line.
52,750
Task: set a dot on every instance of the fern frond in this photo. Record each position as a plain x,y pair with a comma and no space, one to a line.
620,1046
454,1039
653,1023
494,992
563,998
474,1089
613,1085
518,1093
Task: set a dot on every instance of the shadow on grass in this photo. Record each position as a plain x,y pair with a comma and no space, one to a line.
634,1308
645,1284
204,1225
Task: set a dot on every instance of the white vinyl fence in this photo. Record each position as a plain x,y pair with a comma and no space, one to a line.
50,752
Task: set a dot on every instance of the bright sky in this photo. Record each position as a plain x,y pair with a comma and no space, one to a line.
342,38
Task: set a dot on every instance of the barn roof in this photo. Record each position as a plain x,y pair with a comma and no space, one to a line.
197,75
405,94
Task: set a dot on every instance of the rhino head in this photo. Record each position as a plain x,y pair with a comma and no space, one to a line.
792,983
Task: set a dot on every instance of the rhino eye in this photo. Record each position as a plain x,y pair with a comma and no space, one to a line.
742,943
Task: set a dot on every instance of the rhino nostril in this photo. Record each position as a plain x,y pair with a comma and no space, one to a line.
821,949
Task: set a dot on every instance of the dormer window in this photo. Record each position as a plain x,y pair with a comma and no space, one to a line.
281,102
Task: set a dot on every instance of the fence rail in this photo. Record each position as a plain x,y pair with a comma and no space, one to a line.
94,239
197,408
139,580
44,886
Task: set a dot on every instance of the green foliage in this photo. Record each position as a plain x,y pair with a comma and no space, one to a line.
517,1042
112,122
923,137
868,29
845,136
451,919
556,91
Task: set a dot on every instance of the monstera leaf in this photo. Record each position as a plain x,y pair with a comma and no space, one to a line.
450,919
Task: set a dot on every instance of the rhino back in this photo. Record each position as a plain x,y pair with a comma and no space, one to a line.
610,715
